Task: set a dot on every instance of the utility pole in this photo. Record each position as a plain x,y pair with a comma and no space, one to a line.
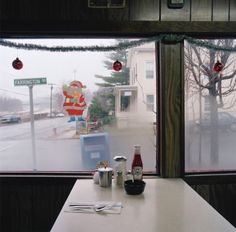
74,71
51,84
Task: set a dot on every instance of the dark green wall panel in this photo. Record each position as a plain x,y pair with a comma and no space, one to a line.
31,204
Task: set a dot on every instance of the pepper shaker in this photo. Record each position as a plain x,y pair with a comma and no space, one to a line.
119,169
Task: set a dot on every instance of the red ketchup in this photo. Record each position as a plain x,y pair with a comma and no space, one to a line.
137,164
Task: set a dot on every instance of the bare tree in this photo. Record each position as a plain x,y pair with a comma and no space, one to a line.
10,104
217,85
58,100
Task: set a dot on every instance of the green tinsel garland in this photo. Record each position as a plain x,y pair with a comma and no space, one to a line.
119,46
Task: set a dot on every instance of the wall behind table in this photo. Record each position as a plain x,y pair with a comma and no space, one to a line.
219,192
31,204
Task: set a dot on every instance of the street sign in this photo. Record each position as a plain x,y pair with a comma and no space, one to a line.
30,81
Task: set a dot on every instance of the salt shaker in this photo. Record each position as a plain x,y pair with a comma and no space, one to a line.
96,177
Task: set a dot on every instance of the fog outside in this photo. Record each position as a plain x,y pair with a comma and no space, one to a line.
58,142
210,109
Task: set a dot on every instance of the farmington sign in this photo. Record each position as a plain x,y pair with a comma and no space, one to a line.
31,81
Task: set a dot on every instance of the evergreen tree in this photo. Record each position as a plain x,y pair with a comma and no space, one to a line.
115,78
102,105
96,111
103,102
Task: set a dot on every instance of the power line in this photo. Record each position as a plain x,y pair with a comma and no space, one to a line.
9,91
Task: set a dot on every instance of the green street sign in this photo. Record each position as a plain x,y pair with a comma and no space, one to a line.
30,81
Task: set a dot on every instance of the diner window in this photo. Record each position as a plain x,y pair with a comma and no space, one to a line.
210,107
60,111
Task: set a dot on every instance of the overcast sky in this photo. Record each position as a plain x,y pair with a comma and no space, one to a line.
58,67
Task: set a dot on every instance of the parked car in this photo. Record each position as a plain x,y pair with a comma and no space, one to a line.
51,115
10,119
226,121
60,115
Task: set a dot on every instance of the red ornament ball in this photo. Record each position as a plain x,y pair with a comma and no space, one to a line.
17,64
117,66
218,66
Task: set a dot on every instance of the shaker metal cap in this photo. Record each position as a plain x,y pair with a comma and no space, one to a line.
107,169
120,158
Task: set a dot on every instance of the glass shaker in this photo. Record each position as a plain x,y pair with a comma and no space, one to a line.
119,169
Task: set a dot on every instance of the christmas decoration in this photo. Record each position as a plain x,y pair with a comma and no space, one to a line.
117,66
119,46
218,66
17,64
74,100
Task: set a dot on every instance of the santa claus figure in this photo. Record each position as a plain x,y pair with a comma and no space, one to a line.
74,100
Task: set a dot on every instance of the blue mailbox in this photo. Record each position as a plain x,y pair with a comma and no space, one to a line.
94,148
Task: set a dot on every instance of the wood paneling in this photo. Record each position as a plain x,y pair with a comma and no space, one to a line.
232,10
141,10
31,204
62,10
201,10
171,108
219,191
182,14
101,29
220,10
144,10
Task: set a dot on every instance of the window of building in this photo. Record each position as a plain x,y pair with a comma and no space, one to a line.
150,102
125,101
210,108
149,69
78,121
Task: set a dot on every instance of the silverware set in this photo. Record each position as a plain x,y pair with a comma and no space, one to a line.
97,207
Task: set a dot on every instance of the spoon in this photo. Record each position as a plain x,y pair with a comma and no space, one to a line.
104,207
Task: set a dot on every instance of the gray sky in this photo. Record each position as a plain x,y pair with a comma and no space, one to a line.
58,67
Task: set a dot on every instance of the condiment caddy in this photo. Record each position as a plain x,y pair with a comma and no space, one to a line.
132,180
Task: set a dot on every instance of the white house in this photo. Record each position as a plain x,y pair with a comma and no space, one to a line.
136,103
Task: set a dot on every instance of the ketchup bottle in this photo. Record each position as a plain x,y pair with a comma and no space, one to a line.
137,164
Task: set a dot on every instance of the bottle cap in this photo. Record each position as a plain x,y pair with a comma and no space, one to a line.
137,146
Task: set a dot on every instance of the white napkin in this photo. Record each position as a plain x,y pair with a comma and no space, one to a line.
107,207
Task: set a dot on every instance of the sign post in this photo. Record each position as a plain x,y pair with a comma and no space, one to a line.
30,83
32,125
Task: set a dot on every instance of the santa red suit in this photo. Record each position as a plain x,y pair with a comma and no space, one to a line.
74,100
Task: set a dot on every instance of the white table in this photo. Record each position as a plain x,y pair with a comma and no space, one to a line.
167,205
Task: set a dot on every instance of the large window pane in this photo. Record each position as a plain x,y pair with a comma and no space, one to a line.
210,107
85,113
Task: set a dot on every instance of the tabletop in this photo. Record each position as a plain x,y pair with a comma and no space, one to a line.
167,205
